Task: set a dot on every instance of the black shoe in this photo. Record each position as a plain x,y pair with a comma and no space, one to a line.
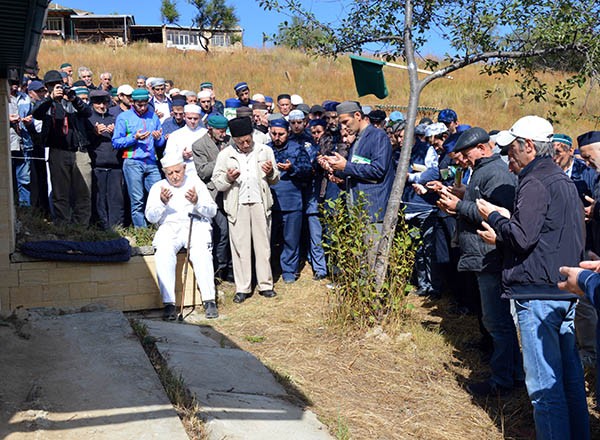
169,312
239,297
267,293
487,389
319,276
210,310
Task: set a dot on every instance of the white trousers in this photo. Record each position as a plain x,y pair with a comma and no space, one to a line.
169,240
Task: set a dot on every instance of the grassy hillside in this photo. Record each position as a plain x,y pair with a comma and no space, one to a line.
274,71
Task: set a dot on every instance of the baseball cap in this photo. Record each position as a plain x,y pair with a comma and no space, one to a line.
528,127
125,89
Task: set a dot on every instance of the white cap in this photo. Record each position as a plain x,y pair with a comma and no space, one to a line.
187,93
528,127
296,99
434,129
296,115
174,91
192,108
258,97
204,94
125,89
150,80
170,160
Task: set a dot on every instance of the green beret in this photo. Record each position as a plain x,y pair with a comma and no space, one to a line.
206,85
140,95
113,92
64,65
81,91
217,121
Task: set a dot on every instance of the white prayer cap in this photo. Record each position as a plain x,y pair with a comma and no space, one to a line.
204,94
171,159
192,108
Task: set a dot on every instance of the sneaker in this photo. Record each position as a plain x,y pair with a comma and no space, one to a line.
487,389
210,310
169,312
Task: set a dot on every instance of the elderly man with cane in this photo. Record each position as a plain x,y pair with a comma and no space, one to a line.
182,207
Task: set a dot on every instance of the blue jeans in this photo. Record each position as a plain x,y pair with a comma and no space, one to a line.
316,252
21,161
506,361
139,177
553,371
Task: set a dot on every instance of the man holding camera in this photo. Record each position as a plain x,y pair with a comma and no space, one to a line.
63,115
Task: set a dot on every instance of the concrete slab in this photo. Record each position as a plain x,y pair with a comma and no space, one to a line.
238,395
80,376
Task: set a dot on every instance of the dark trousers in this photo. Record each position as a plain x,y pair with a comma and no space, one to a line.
107,190
220,236
71,196
39,180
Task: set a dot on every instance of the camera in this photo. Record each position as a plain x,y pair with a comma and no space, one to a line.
68,92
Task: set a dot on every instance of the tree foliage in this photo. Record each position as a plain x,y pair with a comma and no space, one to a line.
168,12
500,35
300,35
212,15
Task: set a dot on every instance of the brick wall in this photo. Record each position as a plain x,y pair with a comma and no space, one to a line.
123,286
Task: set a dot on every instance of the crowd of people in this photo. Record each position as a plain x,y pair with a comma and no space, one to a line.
505,217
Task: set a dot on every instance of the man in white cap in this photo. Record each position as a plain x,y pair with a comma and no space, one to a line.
296,100
171,203
544,232
160,103
124,93
180,141
206,105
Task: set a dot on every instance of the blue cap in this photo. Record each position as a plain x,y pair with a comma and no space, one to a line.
240,86
447,115
140,95
280,123
330,106
396,116
217,121
35,85
269,99
320,122
462,128
232,103
591,137
563,139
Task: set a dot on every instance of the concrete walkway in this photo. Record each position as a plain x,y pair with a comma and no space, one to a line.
80,376
85,376
239,397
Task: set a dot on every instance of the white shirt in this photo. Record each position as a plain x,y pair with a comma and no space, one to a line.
177,208
248,179
181,140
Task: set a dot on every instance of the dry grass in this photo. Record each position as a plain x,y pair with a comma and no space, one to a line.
275,71
382,386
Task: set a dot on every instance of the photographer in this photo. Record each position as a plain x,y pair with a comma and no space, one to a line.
63,116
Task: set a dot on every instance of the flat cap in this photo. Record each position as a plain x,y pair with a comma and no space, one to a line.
99,95
347,107
125,89
470,138
317,109
36,85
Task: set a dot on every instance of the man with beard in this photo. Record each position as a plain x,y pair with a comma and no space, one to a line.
205,151
244,172
294,164
170,202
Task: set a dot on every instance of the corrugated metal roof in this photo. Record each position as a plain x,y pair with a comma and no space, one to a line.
20,31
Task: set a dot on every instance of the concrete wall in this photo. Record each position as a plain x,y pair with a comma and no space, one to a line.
123,286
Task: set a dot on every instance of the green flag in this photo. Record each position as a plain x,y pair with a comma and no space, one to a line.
368,76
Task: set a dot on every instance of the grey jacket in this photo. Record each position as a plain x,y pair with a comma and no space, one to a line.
490,181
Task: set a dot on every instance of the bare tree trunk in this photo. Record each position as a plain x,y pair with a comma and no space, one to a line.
390,219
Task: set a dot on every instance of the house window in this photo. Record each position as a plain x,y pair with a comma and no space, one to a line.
54,24
221,40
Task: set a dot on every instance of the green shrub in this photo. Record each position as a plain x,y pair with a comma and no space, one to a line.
350,242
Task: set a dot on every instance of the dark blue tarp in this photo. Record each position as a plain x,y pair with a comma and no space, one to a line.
82,251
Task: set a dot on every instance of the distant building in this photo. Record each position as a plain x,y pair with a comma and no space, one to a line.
75,24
